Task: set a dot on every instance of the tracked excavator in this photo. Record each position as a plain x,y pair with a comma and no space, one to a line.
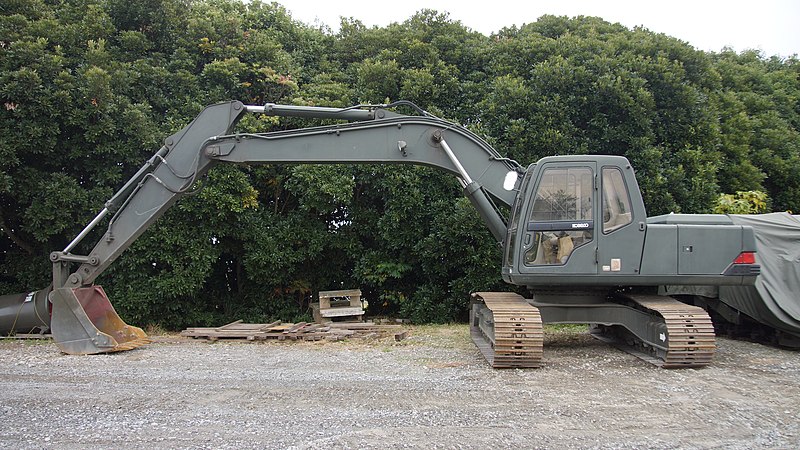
578,237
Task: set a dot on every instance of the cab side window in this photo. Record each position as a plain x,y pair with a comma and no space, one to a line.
511,239
564,195
616,201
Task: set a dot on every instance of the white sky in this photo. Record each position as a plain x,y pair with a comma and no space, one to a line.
772,26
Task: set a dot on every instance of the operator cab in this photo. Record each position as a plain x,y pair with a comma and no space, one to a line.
574,221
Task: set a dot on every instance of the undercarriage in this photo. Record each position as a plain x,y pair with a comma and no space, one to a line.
507,328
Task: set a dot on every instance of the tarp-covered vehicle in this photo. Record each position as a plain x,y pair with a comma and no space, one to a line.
770,309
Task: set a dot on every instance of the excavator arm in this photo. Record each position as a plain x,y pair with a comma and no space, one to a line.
83,320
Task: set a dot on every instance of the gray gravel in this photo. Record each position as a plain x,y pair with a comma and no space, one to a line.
433,390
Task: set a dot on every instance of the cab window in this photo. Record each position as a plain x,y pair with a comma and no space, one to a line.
563,198
511,239
616,200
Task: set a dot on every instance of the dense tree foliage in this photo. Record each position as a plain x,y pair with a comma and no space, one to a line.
89,88
742,202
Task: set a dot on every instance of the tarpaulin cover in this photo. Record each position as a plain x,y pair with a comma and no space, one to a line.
775,297
774,300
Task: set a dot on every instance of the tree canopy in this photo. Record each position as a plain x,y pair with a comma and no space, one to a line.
90,88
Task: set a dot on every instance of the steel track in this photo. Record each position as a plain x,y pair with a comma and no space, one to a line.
688,340
506,329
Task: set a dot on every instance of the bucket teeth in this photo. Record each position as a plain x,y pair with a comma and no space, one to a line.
130,345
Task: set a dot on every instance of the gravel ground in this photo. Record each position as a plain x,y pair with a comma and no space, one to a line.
432,390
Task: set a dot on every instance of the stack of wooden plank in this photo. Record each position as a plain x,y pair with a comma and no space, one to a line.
295,331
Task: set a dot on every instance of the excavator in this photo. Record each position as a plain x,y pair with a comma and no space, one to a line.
578,237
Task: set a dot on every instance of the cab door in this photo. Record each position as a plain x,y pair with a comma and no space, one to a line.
559,222
622,222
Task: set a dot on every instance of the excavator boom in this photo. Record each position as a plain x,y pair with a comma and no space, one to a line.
83,319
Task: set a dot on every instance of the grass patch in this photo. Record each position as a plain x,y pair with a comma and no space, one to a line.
566,328
447,335
155,329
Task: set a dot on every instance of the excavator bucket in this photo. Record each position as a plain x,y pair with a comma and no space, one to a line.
83,322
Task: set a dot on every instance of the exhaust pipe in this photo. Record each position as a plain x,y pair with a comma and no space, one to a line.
26,313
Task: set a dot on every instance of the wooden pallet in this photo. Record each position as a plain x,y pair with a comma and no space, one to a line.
294,331
343,306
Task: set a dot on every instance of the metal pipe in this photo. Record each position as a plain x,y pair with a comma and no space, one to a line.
476,196
461,170
24,313
86,230
487,211
313,112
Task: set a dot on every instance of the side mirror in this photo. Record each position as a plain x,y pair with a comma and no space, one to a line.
510,180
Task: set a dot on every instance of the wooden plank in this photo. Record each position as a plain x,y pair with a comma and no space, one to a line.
342,332
341,311
230,334
270,325
324,303
267,336
295,327
342,293
229,325
312,327
364,326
